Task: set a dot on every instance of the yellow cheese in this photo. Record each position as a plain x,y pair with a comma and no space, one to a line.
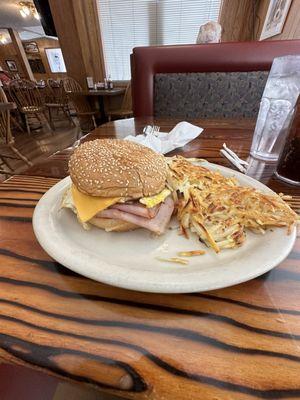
88,206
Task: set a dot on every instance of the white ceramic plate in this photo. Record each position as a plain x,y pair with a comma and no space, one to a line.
129,260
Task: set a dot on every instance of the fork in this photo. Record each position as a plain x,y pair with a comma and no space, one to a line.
151,130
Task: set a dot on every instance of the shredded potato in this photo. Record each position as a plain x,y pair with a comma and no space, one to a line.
218,210
175,260
191,253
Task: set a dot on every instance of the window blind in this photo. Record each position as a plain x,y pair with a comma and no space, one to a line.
126,24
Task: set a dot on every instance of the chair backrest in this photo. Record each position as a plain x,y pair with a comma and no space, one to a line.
71,85
80,103
53,83
127,99
154,69
56,92
25,93
5,130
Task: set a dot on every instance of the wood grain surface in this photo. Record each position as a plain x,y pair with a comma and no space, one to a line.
237,20
240,342
102,92
78,28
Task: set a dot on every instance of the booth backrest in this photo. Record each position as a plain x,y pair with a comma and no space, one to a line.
162,77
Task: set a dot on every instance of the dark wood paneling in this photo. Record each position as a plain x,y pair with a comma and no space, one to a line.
237,19
44,43
291,28
78,31
19,49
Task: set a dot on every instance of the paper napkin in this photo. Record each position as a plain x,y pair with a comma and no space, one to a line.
163,142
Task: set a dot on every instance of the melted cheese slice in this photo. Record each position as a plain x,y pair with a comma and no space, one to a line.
88,206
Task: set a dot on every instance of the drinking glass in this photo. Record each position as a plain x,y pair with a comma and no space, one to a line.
276,108
288,168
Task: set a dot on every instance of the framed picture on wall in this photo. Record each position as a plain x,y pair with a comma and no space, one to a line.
55,60
275,18
37,66
31,47
12,66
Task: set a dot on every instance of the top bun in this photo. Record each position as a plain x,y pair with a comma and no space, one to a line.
117,168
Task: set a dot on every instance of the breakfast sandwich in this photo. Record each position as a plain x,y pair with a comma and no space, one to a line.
118,185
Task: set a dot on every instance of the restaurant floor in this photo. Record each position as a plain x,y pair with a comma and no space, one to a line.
40,144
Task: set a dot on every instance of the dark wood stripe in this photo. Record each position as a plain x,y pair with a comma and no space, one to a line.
266,394
246,305
275,275
19,199
52,266
180,332
294,255
17,205
40,355
15,219
4,189
23,184
155,307
33,178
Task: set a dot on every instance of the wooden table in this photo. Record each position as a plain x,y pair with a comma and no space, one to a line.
96,97
102,92
240,342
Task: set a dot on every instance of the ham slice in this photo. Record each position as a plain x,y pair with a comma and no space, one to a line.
137,209
157,224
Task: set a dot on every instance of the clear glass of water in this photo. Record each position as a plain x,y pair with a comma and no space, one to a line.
276,108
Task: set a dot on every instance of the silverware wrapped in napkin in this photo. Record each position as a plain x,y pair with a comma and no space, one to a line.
164,142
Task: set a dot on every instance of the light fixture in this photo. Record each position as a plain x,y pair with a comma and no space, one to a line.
3,39
27,9
23,13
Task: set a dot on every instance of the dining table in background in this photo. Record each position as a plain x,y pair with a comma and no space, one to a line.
96,98
241,342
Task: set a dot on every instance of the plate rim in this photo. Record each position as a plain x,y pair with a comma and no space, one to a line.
160,287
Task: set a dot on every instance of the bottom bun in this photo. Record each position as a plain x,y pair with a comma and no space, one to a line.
112,225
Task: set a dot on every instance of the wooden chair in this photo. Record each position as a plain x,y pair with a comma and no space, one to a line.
57,99
28,99
82,106
71,85
126,108
14,114
7,139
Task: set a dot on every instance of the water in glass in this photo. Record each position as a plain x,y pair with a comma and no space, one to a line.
276,108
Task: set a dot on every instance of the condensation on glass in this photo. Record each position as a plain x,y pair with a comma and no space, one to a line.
276,108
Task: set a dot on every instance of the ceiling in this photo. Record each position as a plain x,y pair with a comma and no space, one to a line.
10,17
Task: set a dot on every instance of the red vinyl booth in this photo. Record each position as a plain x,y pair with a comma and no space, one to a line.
220,57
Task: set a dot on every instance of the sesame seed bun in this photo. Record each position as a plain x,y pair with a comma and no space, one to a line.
112,225
117,168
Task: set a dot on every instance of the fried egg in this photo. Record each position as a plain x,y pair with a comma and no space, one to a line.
152,201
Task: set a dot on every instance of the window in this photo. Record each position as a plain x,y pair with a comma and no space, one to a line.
126,24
